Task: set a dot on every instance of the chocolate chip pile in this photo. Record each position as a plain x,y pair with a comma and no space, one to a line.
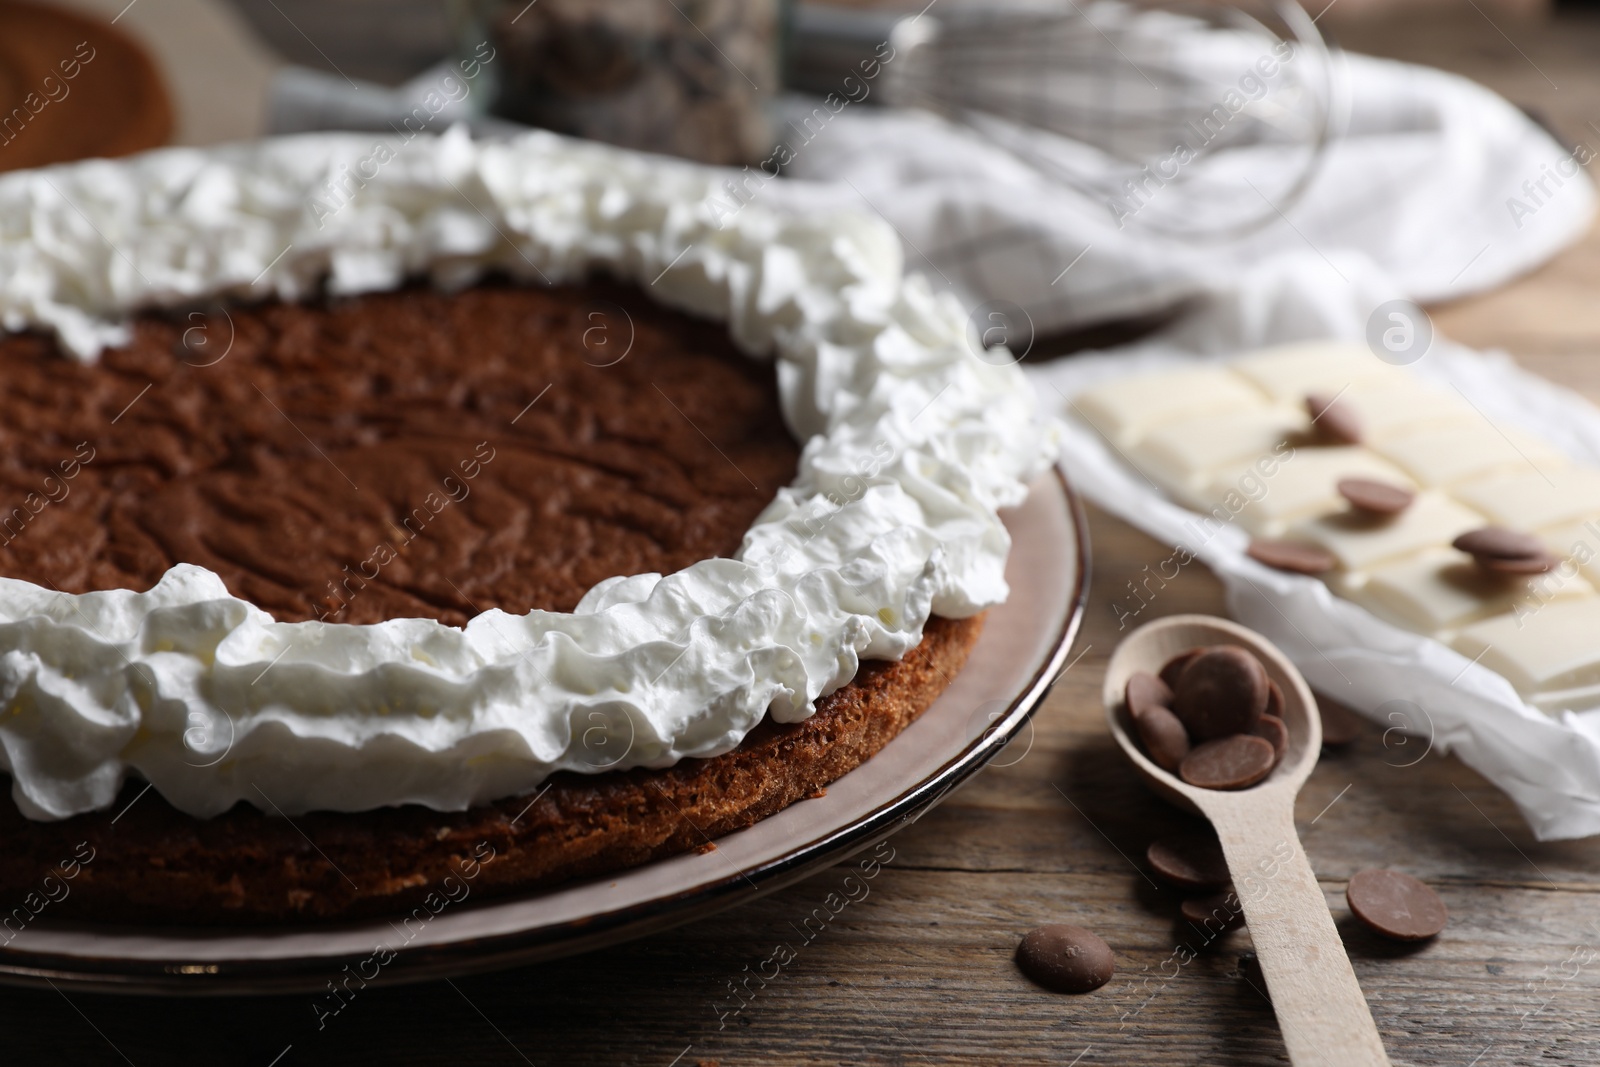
1212,716
1213,705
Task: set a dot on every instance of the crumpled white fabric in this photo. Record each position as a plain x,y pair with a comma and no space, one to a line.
1426,179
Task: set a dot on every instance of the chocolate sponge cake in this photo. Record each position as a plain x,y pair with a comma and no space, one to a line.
364,502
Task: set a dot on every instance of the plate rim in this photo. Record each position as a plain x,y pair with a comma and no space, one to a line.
251,976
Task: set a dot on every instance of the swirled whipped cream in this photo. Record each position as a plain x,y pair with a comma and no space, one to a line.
912,444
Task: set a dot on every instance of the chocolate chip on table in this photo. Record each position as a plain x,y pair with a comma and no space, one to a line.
1340,725
1332,420
1276,733
1296,557
1066,959
1214,911
1193,861
1222,691
1375,497
1233,762
1396,905
1174,667
1145,690
1497,542
1165,739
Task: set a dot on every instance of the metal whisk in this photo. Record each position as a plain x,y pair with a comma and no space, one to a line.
1159,112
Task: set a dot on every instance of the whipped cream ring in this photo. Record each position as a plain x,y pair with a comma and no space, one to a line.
912,445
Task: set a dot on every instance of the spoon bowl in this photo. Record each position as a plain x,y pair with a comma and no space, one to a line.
1320,1006
1150,646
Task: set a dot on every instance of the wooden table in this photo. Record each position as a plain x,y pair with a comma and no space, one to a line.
921,970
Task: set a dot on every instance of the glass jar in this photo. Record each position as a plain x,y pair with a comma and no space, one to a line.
689,78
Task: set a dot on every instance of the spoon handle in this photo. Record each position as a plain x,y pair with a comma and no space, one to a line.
1321,1009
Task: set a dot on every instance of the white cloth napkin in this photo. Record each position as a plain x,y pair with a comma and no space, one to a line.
1433,177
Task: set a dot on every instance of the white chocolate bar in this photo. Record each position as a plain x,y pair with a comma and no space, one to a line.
1444,455
1554,646
1182,457
1266,499
1401,408
1235,444
1439,590
1360,541
1128,408
1289,372
1577,543
1534,499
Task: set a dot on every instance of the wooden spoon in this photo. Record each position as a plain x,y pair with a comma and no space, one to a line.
1320,1006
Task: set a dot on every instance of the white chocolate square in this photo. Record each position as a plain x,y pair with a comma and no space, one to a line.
1359,541
1553,647
1288,372
1533,499
1440,589
1183,457
1577,544
1444,455
1128,408
1264,500
1400,408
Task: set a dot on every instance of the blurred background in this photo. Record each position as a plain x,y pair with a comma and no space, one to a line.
1004,140
218,57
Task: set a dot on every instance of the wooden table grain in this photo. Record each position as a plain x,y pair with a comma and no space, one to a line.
920,971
